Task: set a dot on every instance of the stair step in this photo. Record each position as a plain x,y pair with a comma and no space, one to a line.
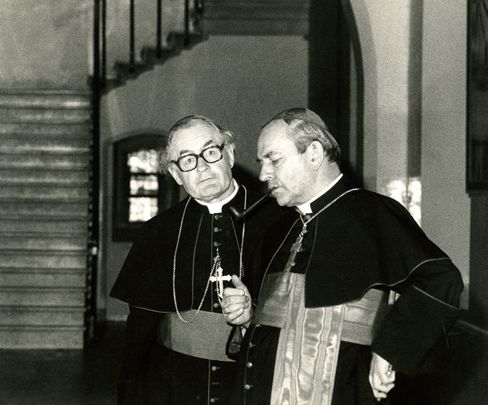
176,43
45,160
69,297
41,242
64,130
56,100
56,226
44,210
47,92
47,177
32,144
45,138
46,259
44,115
41,316
56,337
40,190
42,225
22,277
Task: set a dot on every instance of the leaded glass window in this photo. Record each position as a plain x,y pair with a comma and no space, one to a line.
140,191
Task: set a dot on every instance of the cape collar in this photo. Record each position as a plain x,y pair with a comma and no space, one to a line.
335,191
306,208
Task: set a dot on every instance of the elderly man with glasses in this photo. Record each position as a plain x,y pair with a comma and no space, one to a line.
174,276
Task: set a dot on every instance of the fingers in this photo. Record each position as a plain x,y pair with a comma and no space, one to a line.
380,390
381,377
239,316
235,295
236,303
238,283
232,304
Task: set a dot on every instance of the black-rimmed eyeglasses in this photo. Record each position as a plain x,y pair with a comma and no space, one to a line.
189,162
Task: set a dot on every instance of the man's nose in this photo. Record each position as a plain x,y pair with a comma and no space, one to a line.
202,165
264,174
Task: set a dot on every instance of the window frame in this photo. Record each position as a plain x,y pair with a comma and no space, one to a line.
122,229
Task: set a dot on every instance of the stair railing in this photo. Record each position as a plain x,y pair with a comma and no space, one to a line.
193,10
99,84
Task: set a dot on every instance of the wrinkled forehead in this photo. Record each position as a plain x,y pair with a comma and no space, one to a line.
274,137
194,138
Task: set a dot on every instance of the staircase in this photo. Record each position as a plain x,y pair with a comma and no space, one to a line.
44,168
256,17
214,17
151,56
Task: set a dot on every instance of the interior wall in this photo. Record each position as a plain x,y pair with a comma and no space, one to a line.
388,33
48,43
445,204
240,81
384,29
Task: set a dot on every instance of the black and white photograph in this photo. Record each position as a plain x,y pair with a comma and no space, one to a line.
243,202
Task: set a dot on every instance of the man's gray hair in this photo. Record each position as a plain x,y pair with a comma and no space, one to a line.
305,126
188,122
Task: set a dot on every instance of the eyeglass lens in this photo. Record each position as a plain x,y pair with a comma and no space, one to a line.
189,162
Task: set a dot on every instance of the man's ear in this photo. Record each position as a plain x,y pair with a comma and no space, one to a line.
231,153
175,174
316,153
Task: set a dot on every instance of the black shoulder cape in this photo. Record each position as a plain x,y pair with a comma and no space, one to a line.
146,278
362,240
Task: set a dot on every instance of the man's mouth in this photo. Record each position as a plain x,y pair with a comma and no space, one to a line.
206,179
272,189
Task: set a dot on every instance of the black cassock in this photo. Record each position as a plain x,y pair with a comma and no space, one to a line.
363,240
151,372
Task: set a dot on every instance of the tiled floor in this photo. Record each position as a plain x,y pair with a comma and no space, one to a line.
89,377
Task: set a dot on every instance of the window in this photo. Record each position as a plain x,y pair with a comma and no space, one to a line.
140,191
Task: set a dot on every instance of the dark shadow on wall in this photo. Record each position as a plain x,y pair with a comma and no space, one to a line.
336,90
248,179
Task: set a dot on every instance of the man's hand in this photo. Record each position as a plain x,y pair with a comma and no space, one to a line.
236,304
381,377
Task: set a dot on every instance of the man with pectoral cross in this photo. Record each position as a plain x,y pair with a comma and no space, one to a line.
175,273
321,332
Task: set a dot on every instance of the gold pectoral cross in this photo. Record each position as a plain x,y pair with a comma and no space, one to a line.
296,247
218,276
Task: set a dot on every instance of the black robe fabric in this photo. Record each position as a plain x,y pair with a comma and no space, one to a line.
363,240
152,373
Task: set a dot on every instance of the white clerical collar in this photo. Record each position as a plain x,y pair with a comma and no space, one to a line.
306,207
216,207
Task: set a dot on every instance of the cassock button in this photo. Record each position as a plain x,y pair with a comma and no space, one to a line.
217,216
213,400
214,368
217,229
249,364
247,387
217,244
216,305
